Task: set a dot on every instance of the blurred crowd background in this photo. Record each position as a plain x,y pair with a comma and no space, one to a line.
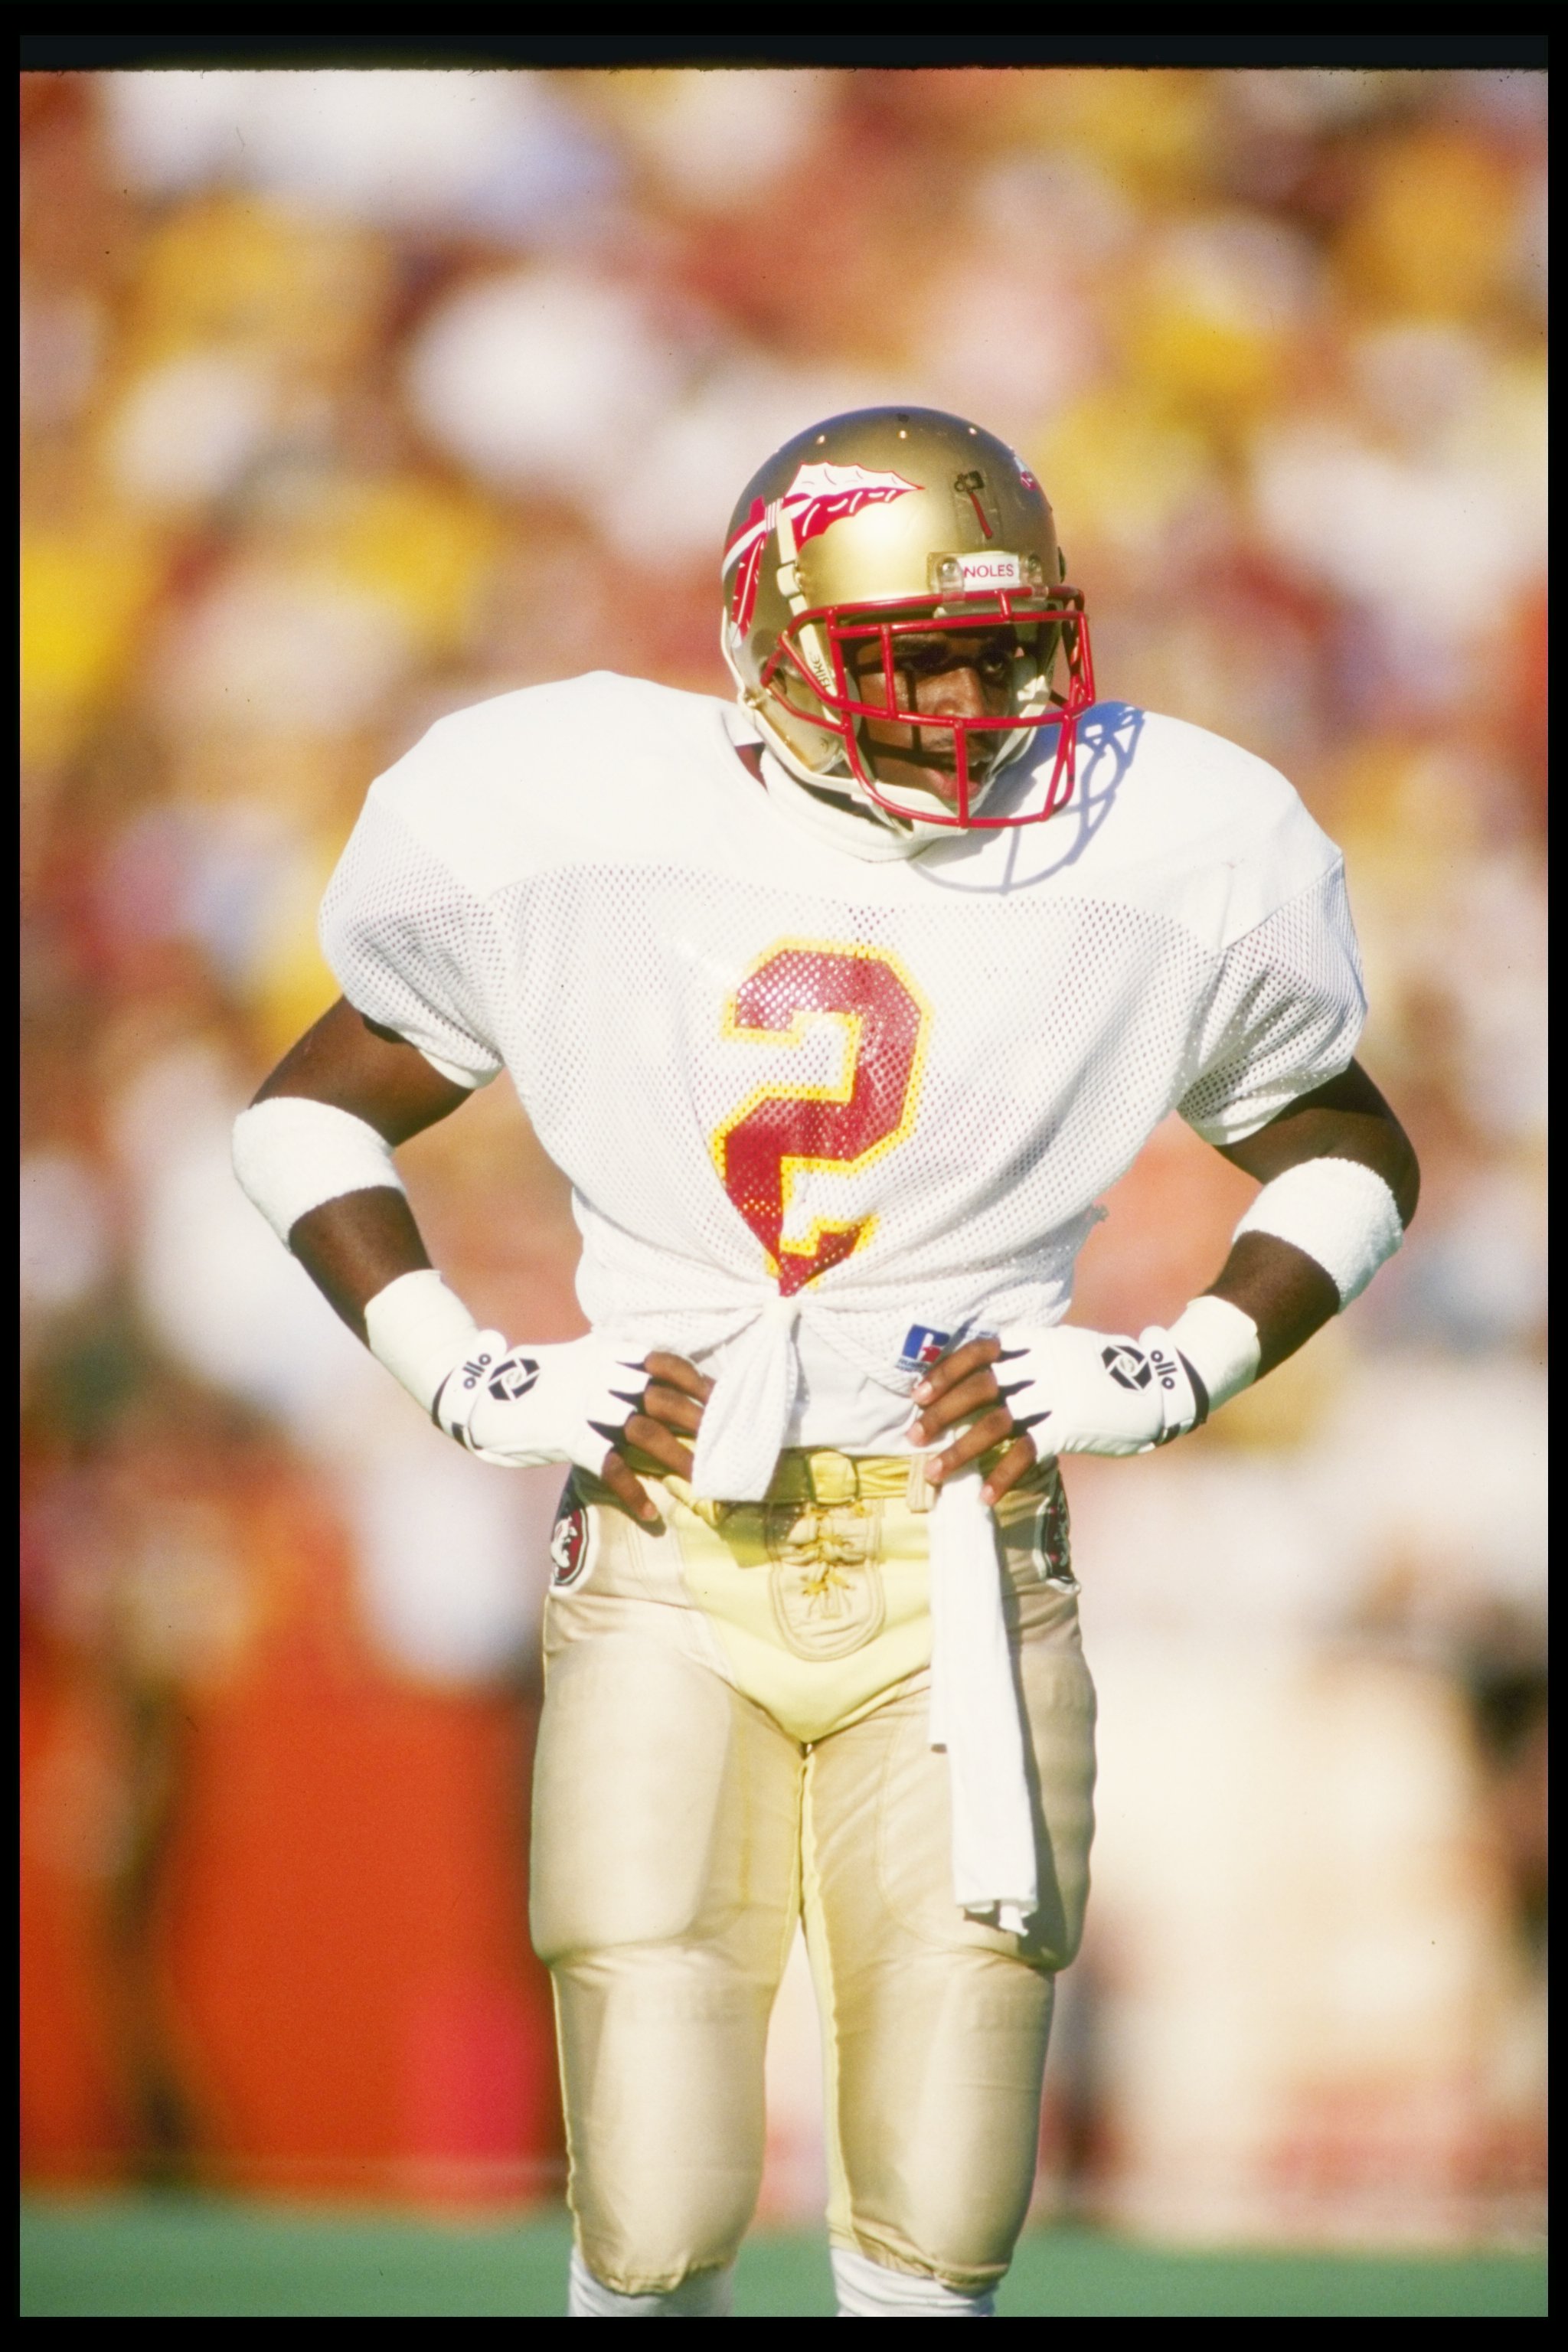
351,397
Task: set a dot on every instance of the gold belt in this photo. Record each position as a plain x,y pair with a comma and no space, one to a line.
816,1475
820,1475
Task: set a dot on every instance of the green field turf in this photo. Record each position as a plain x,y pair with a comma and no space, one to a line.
157,2257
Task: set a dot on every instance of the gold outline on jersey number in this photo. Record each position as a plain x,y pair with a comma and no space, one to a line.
790,1164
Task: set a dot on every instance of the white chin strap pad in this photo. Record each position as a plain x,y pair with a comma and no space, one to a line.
1336,1211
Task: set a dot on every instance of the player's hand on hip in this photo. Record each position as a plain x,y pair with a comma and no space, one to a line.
581,1402
963,1390
1058,1390
670,1415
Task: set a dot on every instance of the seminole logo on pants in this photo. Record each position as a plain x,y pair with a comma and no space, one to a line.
571,1544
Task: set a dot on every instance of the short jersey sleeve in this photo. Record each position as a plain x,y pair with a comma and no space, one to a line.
1284,1014
410,945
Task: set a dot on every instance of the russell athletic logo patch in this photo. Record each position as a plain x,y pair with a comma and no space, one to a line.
922,1349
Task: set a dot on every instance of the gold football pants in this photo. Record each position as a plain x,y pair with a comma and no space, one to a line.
734,1738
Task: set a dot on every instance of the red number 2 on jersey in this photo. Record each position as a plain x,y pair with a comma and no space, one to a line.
778,1133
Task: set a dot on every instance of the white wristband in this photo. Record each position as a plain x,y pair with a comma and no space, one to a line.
1338,1213
419,1330
1220,1344
292,1154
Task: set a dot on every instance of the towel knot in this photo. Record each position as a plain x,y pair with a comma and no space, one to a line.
746,1419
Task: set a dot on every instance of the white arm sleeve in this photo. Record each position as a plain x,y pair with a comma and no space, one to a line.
292,1154
412,947
1337,1212
1284,1016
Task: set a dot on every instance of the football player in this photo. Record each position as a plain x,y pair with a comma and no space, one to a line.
840,1006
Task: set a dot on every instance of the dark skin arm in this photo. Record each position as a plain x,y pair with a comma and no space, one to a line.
354,1246
1287,1294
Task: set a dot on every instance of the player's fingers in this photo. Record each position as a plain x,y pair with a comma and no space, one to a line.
955,1368
628,1489
651,1437
675,1411
973,1395
677,1373
992,1428
1019,1457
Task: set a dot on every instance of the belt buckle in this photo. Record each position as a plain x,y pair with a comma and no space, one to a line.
833,1479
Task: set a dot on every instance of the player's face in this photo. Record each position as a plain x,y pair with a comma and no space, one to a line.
956,674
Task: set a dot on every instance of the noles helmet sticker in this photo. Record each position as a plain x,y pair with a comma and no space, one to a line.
572,1544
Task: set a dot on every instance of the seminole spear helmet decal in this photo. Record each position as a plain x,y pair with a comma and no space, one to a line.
871,548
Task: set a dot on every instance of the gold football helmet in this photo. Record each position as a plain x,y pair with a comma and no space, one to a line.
874,556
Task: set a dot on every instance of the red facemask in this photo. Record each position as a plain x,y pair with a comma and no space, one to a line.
969,748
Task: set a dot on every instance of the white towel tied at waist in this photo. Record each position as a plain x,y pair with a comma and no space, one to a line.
975,1712
746,1419
976,1715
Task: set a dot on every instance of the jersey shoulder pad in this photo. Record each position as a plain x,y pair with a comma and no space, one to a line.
1212,802
525,780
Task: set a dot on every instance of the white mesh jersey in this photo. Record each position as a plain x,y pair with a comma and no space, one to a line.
892,1089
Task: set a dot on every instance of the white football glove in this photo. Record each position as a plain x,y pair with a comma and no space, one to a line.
1079,1392
525,1406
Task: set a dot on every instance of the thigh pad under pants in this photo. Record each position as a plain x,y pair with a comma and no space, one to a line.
734,1739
